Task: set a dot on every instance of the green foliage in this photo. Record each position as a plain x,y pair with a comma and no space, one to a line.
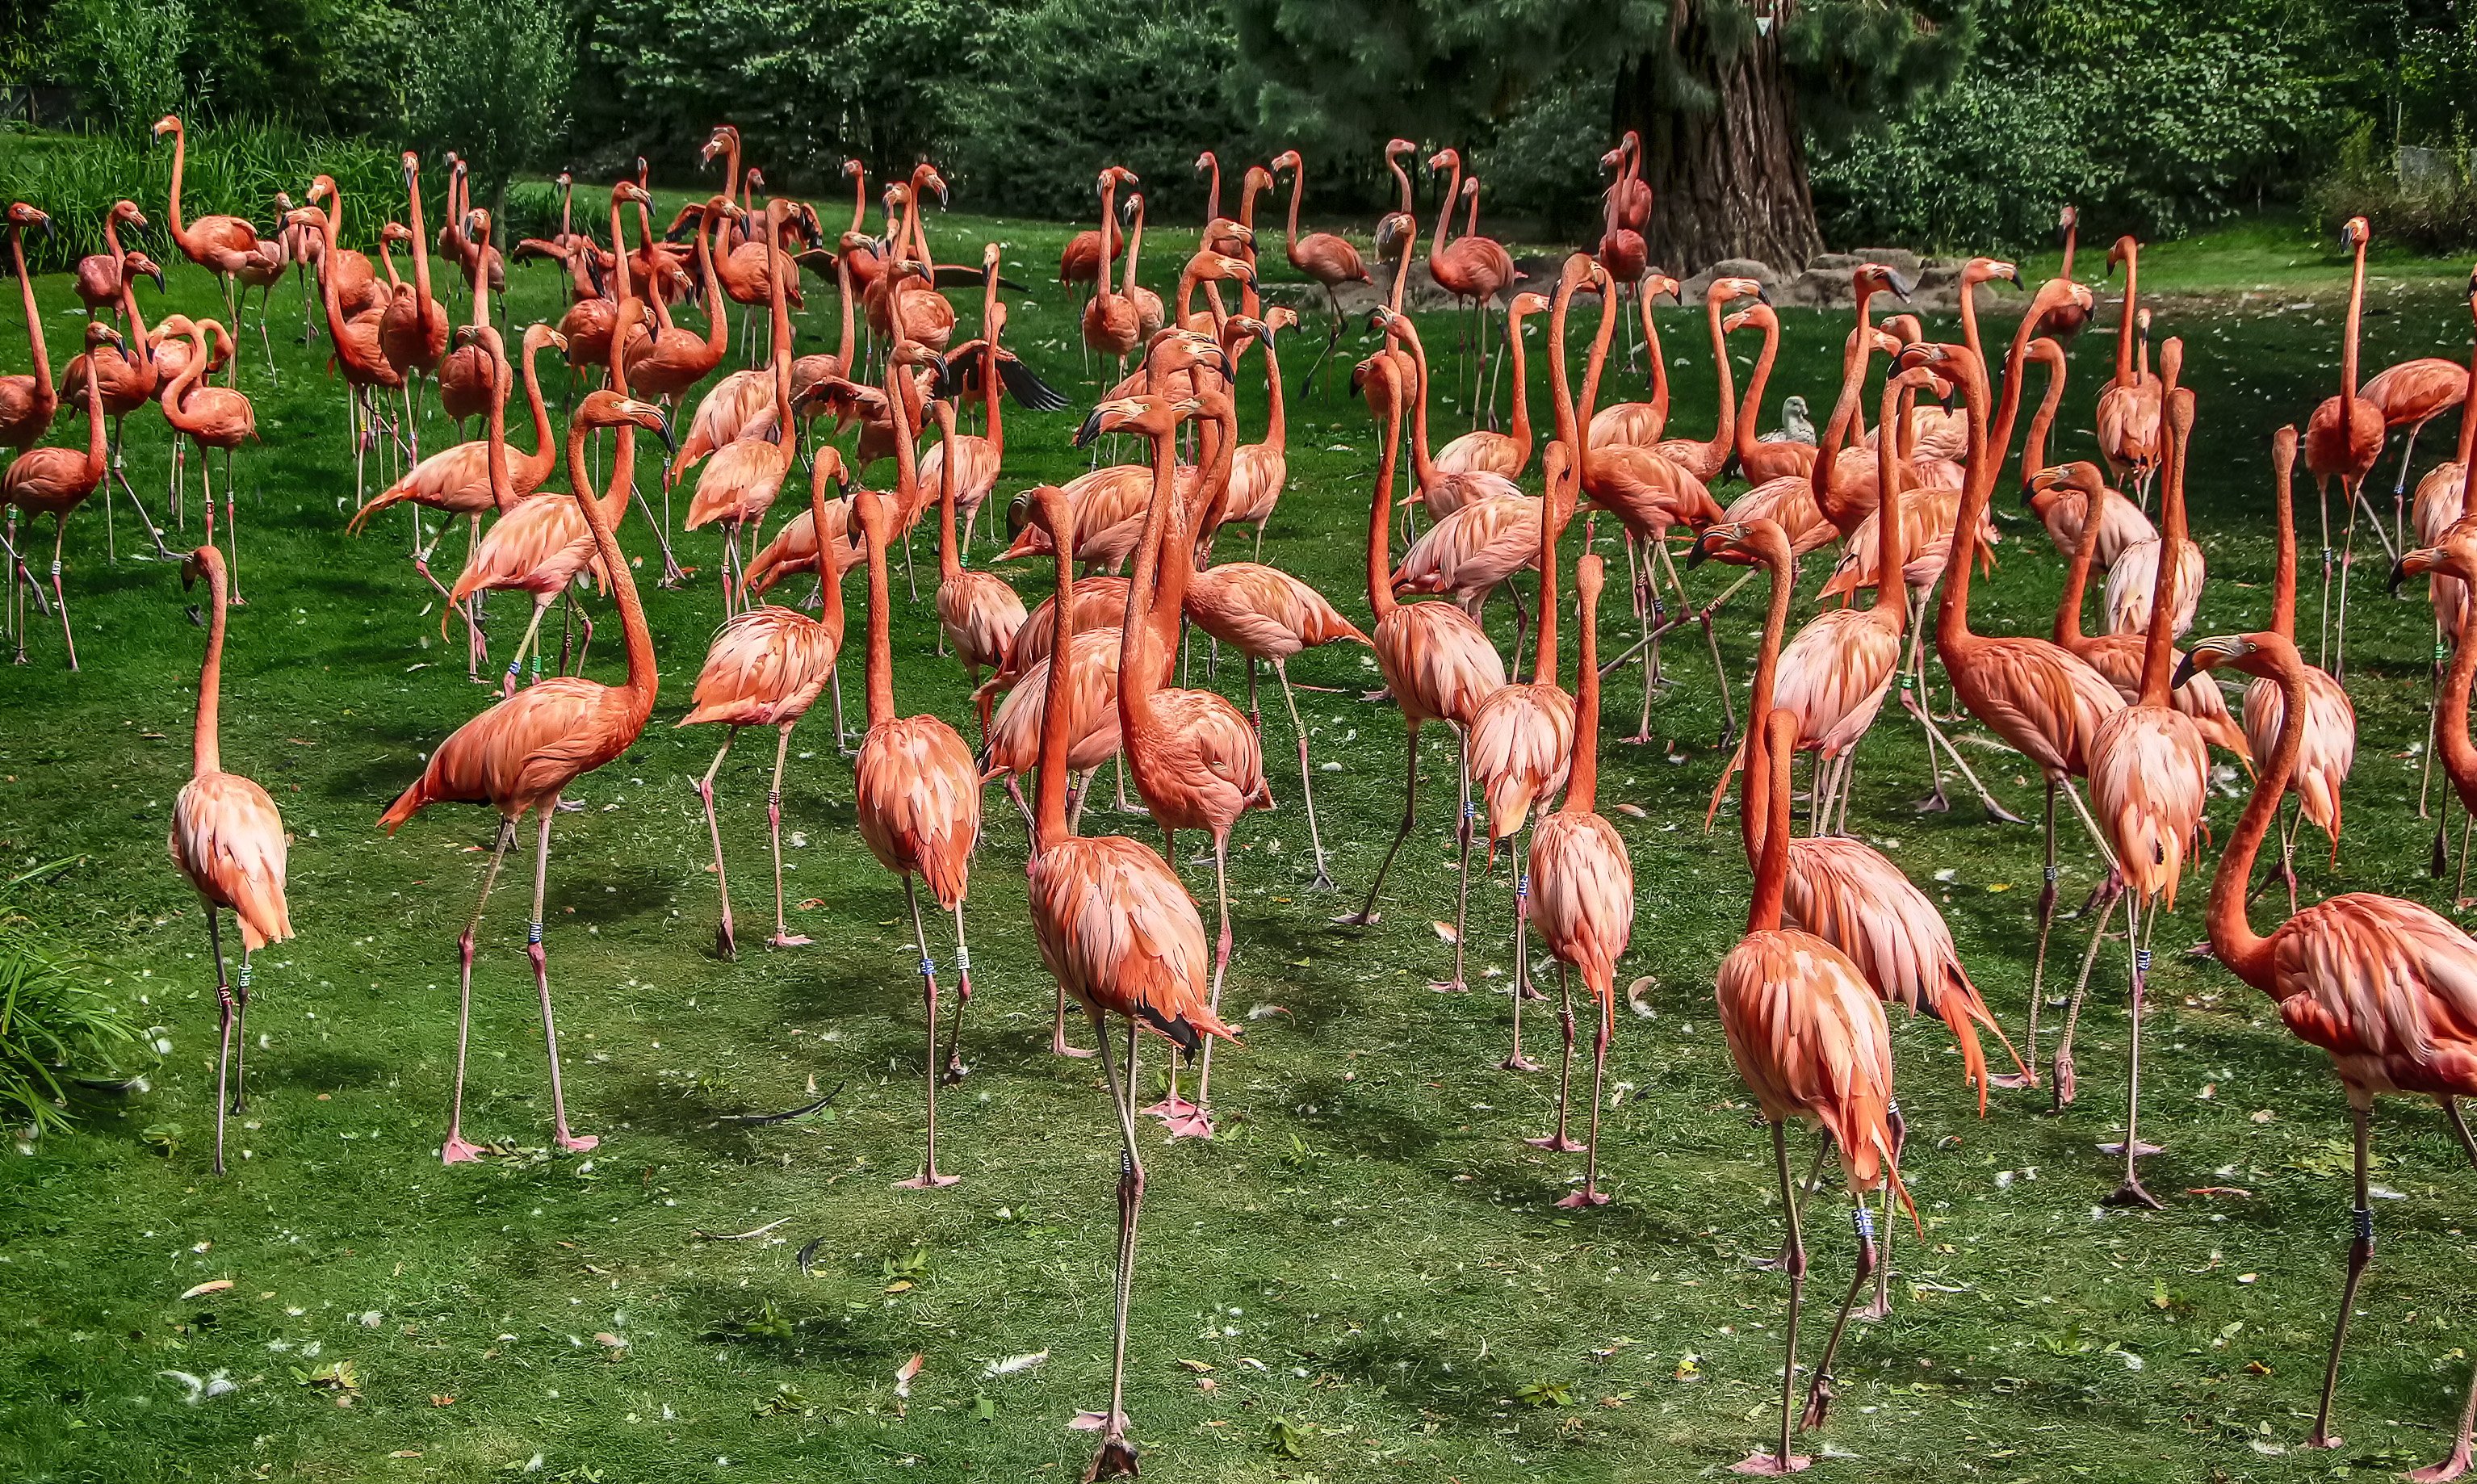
2363,183
2150,117
53,1027
127,57
235,169
489,80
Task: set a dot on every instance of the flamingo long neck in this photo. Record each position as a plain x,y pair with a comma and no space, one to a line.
1213,192
205,746
1766,788
191,370
1892,587
45,395
778,305
482,293
1422,463
1445,209
1178,543
421,247
1401,178
1519,429
643,679
2073,237
2468,412
2068,630
111,236
2451,736
1570,425
993,324
2008,408
494,432
717,324
1137,677
180,159
907,434
567,200
2125,375
1135,246
619,251
881,646
538,464
1554,510
331,261
1953,639
1724,436
1380,514
1825,478
1594,364
1751,410
950,565
2348,346
1299,189
2158,651
95,445
2283,570
860,200
386,257
1277,424
1583,771
2233,940
2034,443
1049,793
1773,555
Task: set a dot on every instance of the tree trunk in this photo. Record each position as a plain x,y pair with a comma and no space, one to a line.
1723,153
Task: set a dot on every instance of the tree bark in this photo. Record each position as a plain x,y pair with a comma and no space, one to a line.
1727,168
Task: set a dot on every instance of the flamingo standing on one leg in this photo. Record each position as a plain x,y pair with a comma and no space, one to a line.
1327,259
229,839
2329,750
2384,986
217,417
766,667
518,755
2127,414
2343,441
222,245
1809,1040
1121,935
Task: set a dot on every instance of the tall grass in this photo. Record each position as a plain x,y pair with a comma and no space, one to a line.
54,1030
233,169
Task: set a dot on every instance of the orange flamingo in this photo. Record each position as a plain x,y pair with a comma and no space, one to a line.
97,275
2062,497
518,755
1119,933
1110,322
740,483
1582,883
2066,322
1259,470
1472,268
667,363
1706,458
766,666
51,481
978,612
217,417
1330,261
917,800
2128,408
1809,1042
2150,778
358,356
222,245
229,839
1639,423
1761,457
1622,251
2382,984
2328,750
2343,441
2040,700
1437,663
2119,656
1517,749
2410,395
1150,315
467,379
1485,451
1080,261
28,403
412,330
1197,762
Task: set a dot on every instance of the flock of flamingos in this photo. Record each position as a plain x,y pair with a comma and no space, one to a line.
2121,725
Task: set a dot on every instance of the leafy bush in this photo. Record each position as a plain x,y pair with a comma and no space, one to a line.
2150,115
53,1029
2430,221
128,55
234,168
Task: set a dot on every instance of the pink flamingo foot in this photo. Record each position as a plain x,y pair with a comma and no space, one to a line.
576,1144
789,941
1197,1125
458,1151
1172,1109
2444,1472
1517,1064
1449,986
1562,1144
1581,1199
928,1180
1768,1467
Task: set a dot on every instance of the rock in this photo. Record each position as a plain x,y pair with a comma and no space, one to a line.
1900,259
1693,290
1833,263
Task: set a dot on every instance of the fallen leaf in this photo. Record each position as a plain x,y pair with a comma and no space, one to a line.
899,1286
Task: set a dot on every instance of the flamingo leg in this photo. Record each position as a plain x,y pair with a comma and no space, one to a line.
456,1150
1560,1140
725,947
1307,794
1711,640
1462,896
928,1179
956,1070
60,595
784,937
1198,1121
1818,1391
571,1142
2138,946
2063,1065
2039,970
1057,1045
2361,1253
1590,1194
1117,1456
232,527
1783,1461
516,661
1515,1060
223,1028
1366,915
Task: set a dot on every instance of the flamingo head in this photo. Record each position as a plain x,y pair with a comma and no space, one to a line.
1394,147
97,333
630,190
1874,278
2124,249
1725,289
138,263
853,169
2068,218
1443,160
608,409
169,123
1286,160
1527,303
1205,162
21,216
2252,654
1147,417
1740,542
2355,233
1980,270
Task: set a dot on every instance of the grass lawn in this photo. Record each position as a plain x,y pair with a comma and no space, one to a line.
1364,1277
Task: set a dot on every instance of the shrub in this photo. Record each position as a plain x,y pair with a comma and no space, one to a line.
54,1030
2429,221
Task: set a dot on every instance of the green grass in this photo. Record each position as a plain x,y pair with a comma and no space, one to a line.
1369,1261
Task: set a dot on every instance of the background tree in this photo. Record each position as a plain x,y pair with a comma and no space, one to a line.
1726,93
127,53
489,80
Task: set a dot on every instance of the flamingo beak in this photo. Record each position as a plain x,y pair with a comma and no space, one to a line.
1090,430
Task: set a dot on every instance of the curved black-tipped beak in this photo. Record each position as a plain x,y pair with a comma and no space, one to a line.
157,274
2186,670
1265,333
1901,289
1699,553
51,230
1090,430
942,195
663,431
1763,294
2399,575
2012,276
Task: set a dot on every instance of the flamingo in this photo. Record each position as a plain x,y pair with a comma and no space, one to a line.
1622,251
1517,749
1197,762
766,666
1809,1040
2387,987
1639,423
1472,268
518,755
1119,933
1111,324
219,418
2119,656
1582,881
1330,261
740,483
1080,261
358,355
2150,778
29,402
413,329
467,380
1766,456
54,481
978,612
2344,440
2128,408
2410,395
917,799
1485,451
229,839
2040,700
1260,471
222,245
2328,751
97,275
1706,458
2061,496
1436,662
